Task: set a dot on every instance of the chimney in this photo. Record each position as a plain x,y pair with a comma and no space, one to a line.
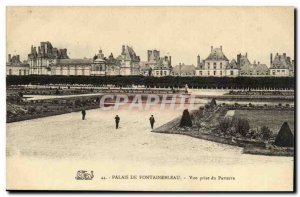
18,58
238,59
9,58
221,47
198,60
288,59
170,59
284,55
246,54
271,59
211,48
46,48
149,55
66,53
123,49
258,62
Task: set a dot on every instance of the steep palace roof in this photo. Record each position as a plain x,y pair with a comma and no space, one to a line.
233,65
74,61
217,55
281,62
129,54
244,61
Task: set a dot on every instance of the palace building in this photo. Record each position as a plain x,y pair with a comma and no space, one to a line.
14,66
48,60
155,65
52,61
214,65
129,61
41,61
281,65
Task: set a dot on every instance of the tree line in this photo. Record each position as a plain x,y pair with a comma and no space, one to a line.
168,81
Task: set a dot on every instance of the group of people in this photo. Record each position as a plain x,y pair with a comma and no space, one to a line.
117,119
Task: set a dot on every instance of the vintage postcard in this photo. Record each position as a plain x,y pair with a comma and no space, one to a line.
150,98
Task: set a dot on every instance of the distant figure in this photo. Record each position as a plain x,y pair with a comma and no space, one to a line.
117,118
83,114
152,121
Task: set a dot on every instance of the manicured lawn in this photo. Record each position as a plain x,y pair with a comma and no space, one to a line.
270,118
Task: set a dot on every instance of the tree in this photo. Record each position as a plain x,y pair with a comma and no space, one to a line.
224,125
213,102
285,137
266,133
186,119
241,126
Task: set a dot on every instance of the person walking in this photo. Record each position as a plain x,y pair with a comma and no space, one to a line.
152,121
117,119
83,114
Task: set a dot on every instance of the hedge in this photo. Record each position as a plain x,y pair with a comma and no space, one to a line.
169,81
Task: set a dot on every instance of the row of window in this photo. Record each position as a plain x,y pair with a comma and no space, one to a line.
215,64
214,73
161,73
257,73
278,72
81,71
215,67
21,72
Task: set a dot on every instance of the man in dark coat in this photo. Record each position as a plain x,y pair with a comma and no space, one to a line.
117,119
83,114
152,121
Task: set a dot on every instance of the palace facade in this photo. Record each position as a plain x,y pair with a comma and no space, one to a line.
218,65
52,61
48,60
15,67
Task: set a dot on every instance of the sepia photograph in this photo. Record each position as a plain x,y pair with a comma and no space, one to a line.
150,99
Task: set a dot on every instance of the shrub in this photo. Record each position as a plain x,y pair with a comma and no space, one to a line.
199,82
285,137
241,126
224,125
186,119
213,102
266,133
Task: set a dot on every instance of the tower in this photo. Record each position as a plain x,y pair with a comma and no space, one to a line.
198,60
271,59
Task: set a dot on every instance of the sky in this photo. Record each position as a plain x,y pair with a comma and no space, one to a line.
180,32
